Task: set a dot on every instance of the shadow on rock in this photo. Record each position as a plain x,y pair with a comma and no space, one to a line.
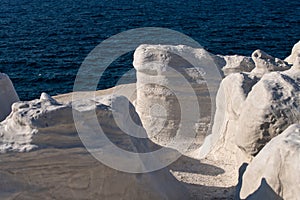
263,192
190,165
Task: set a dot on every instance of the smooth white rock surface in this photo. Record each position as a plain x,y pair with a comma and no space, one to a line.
278,165
8,96
230,101
60,167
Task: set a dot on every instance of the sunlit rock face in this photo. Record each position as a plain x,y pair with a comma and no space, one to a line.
166,77
274,172
253,107
171,87
265,63
8,96
60,165
41,122
230,102
271,106
235,64
294,54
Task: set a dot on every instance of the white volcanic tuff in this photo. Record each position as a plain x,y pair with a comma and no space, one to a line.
257,114
249,113
259,63
8,96
278,163
230,101
18,129
169,81
153,64
45,115
74,174
294,54
235,64
154,59
264,63
271,106
156,83
294,72
48,126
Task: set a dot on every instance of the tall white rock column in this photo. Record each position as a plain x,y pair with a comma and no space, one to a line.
172,82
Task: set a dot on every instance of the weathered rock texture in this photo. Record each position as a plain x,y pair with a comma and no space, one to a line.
235,64
276,168
254,107
159,91
60,167
8,96
271,106
170,80
230,100
265,63
295,51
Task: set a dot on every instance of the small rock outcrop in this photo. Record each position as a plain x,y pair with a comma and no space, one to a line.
8,96
295,51
18,130
275,170
236,64
265,63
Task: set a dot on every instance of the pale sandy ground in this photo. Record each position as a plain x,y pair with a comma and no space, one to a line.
210,178
205,179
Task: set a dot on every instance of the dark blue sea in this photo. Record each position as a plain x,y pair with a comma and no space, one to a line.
44,42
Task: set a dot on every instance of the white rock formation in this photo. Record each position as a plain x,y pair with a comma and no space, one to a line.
295,51
295,69
170,82
29,117
235,64
8,96
276,168
68,171
264,63
159,91
271,106
252,108
230,100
